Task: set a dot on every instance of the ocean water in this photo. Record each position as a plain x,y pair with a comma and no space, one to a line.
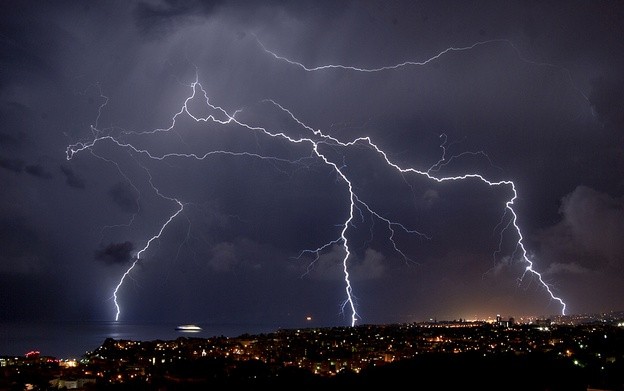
65,340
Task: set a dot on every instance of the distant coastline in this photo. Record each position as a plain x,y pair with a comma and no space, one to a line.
73,339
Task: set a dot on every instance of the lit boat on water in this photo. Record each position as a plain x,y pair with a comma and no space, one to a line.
189,328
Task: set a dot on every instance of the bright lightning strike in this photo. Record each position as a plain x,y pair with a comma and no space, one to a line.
443,161
384,68
315,141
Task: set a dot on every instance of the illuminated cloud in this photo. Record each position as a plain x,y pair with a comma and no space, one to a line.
590,231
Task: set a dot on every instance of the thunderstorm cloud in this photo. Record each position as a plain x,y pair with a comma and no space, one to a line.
22,249
531,93
71,178
590,231
224,257
15,165
7,139
607,98
37,170
329,266
116,253
124,197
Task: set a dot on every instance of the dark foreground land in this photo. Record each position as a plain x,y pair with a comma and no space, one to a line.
450,356
437,371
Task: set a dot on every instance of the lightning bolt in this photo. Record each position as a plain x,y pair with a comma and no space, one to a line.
529,269
384,68
316,140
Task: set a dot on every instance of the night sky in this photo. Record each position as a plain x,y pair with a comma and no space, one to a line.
263,163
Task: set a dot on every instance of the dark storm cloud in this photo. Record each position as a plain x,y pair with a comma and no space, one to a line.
329,266
246,220
607,98
71,178
28,44
156,20
224,257
589,235
28,297
520,106
37,170
21,245
28,262
123,196
154,15
18,166
9,140
115,253
15,165
235,256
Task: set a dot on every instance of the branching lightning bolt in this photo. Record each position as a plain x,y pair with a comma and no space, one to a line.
443,161
316,140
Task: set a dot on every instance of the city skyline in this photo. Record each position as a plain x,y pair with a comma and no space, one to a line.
553,357
359,162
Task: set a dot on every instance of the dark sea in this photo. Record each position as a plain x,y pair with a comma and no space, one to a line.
66,340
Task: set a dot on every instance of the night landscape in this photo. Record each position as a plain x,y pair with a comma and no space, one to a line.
359,193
